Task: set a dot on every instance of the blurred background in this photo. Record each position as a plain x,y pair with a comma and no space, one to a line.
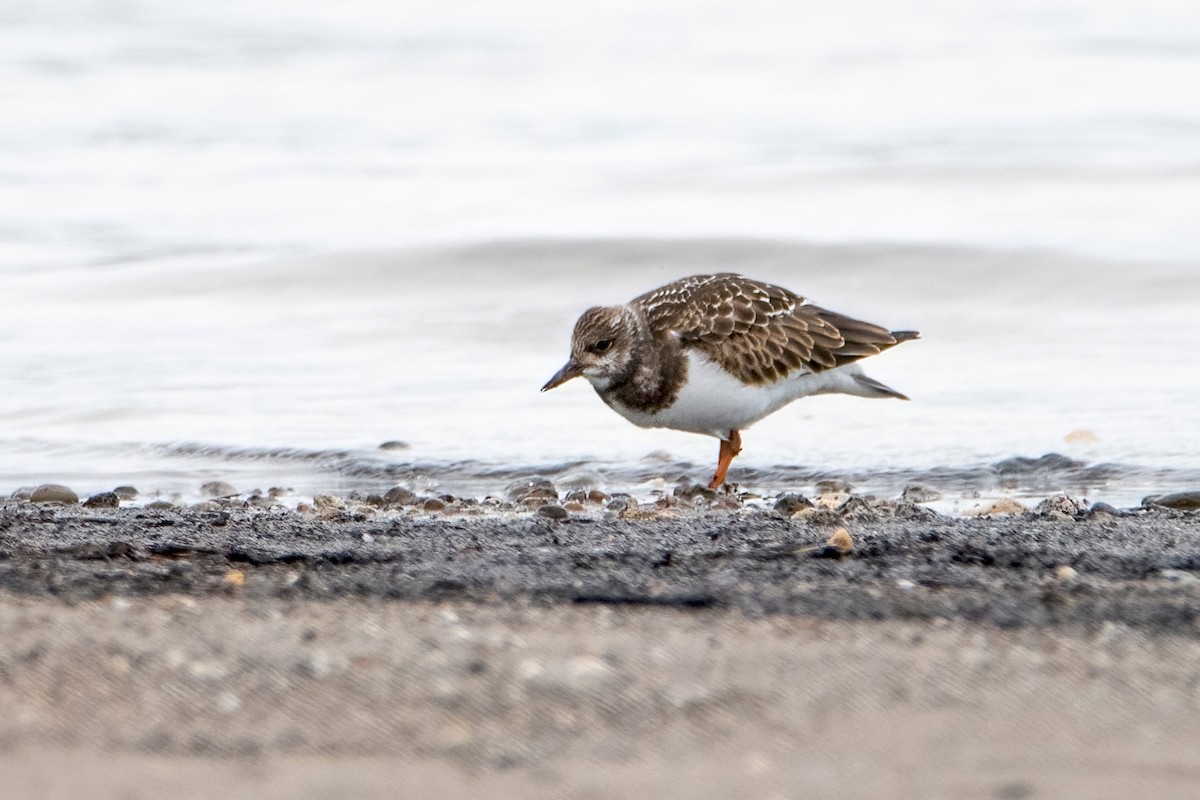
254,240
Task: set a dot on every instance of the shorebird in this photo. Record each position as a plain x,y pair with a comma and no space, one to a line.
713,354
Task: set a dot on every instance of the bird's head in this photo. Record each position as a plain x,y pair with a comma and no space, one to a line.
602,347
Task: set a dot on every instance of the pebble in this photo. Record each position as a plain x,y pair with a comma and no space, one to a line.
434,504
125,492
1081,436
790,505
21,494
841,541
228,702
830,486
159,505
831,500
1104,509
399,496
218,489
580,674
531,489
1180,501
328,501
553,512
1061,504
103,500
589,672
1179,576
690,491
996,508
53,493
905,584
621,503
394,444
319,664
1065,572
917,493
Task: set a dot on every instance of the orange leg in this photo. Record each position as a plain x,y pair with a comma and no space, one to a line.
729,448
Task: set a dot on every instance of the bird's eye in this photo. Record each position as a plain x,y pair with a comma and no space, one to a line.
602,346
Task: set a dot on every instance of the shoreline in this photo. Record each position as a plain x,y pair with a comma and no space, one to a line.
704,650
1062,564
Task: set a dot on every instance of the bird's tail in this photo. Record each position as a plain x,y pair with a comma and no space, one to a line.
873,388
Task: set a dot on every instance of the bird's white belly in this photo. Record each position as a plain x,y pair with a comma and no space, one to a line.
714,402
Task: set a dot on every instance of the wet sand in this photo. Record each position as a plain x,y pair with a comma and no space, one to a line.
677,652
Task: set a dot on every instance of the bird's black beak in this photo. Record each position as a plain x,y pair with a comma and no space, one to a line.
570,370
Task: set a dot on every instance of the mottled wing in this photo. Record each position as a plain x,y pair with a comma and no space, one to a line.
757,331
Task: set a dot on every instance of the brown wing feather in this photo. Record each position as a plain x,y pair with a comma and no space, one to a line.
757,331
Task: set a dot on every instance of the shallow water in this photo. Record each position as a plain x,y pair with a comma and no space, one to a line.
255,240
293,374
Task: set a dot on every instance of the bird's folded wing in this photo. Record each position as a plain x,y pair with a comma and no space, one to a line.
759,332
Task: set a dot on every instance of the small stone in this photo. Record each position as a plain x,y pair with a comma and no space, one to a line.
328,502
364,511
103,500
159,505
218,489
831,500
23,493
996,508
597,496
574,506
1081,436
434,504
917,493
319,664
207,670
621,503
832,485
1179,576
1061,504
690,491
399,496
588,673
228,702
234,577
1065,572
1103,510
53,493
394,444
841,541
375,501
125,492
819,516
1180,501
905,584
531,489
789,505
552,512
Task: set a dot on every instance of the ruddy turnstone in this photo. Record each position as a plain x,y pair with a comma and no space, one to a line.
714,354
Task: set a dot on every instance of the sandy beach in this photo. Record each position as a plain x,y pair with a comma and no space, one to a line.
705,648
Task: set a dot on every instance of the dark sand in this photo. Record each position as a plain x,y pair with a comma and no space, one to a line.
677,653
